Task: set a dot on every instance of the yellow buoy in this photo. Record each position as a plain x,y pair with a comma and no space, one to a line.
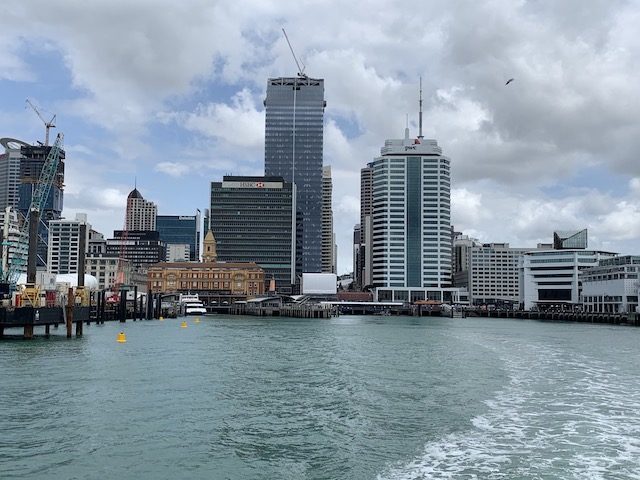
161,318
122,338
197,319
183,324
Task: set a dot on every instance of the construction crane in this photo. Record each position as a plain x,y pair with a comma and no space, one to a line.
38,200
300,70
47,125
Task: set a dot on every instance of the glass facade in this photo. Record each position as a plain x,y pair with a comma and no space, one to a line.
181,229
569,240
253,220
294,110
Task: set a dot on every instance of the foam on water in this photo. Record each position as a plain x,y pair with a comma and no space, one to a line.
561,415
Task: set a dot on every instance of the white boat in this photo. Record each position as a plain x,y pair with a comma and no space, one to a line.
192,305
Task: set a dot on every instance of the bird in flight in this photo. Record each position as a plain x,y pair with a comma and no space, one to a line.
509,81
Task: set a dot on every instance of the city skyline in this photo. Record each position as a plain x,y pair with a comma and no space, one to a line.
554,149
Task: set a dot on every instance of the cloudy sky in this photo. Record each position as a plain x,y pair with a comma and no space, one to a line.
171,93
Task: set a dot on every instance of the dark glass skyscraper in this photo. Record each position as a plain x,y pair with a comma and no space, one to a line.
293,150
181,229
253,220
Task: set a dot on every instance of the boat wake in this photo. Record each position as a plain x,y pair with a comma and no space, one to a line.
561,415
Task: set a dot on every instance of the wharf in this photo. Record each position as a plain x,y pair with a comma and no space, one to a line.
29,317
315,310
580,317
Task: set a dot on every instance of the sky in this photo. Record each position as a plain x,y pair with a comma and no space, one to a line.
169,95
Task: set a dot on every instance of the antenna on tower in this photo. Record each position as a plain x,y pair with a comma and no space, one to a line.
420,136
300,70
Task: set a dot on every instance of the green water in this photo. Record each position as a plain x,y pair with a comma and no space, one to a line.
345,398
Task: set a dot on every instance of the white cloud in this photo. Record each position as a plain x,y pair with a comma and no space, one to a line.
573,104
172,168
239,124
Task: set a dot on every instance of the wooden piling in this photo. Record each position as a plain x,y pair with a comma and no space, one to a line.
69,309
28,332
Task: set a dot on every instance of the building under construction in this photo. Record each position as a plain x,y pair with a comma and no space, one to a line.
31,163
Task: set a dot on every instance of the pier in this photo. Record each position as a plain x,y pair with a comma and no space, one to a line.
579,317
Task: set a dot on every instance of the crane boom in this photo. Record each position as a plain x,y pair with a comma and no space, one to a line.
47,125
300,70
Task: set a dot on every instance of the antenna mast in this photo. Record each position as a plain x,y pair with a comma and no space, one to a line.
300,70
420,136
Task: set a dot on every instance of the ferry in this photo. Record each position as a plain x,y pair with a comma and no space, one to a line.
192,305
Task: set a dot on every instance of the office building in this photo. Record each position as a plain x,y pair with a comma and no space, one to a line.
362,276
411,222
253,219
97,242
294,114
462,245
178,252
612,286
551,278
180,230
10,172
141,248
141,214
328,241
66,243
108,269
494,274
31,164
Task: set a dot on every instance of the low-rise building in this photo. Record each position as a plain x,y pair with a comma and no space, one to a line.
494,274
214,282
612,286
550,278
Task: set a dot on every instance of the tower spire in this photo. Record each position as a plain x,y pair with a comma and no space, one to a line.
420,136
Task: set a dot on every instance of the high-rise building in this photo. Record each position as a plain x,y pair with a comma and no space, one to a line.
294,109
65,243
140,247
411,221
13,244
141,214
180,230
253,219
462,245
362,276
31,164
328,249
10,172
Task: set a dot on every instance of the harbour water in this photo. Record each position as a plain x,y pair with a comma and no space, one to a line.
344,398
